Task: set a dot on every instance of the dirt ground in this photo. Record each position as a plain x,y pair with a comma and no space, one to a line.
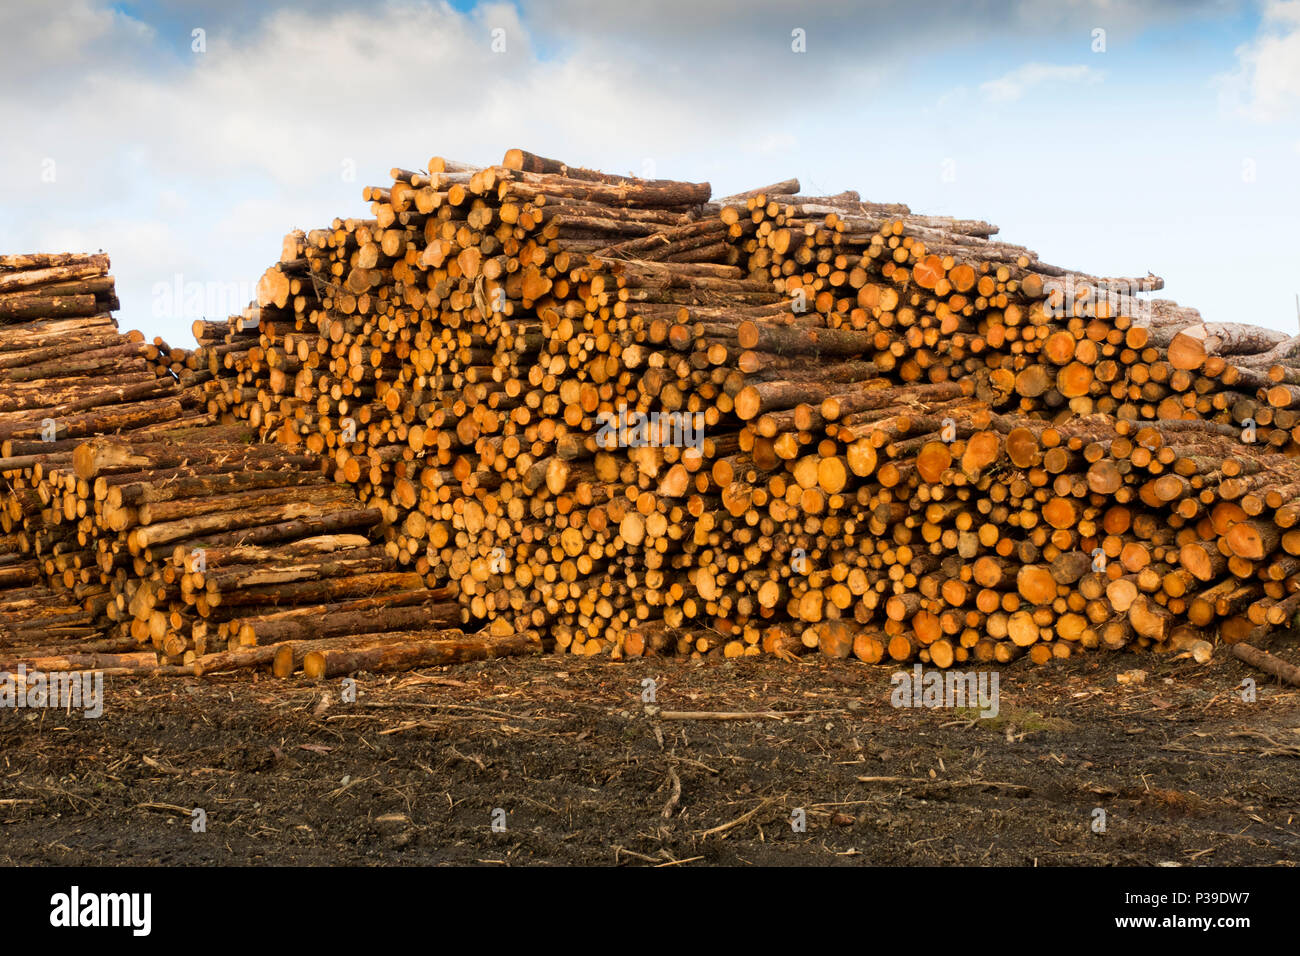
565,753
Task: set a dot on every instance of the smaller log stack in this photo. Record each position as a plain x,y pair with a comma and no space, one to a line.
212,553
36,620
212,545
176,543
66,373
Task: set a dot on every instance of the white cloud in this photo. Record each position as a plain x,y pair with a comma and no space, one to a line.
1012,86
197,164
200,167
1266,83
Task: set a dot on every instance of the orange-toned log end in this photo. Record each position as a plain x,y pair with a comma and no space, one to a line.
927,627
1071,627
1134,556
835,638
1022,448
1186,353
282,665
862,457
1060,513
1074,380
942,654
1031,285
1104,477
778,640
748,403
1170,487
1248,540
928,271
747,335
982,449
832,475
1149,619
1022,629
868,647
83,461
1137,336
313,665
988,571
902,647
1279,396
1225,514
1040,653
889,475
1033,381
933,460
1234,630
1196,558
1059,347
1121,593
1004,652
676,483
1035,584
962,277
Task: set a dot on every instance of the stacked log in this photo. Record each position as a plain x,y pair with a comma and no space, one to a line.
604,415
456,355
175,541
66,372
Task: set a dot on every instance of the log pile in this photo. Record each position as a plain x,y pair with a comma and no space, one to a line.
67,373
212,553
174,543
605,415
868,387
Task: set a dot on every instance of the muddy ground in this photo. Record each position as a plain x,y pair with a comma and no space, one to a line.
415,769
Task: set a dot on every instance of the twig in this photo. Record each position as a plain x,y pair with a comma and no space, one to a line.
946,783
739,714
165,806
723,828
676,796
624,851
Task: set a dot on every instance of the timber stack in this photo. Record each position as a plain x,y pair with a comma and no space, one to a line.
67,373
606,415
142,536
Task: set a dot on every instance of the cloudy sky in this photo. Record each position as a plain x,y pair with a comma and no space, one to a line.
1115,137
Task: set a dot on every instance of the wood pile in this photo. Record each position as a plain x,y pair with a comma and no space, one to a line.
605,415
67,373
213,553
868,386
176,543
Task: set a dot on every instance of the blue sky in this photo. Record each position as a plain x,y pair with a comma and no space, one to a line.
1176,150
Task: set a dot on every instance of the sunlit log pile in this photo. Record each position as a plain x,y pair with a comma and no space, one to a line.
869,432
603,415
138,535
